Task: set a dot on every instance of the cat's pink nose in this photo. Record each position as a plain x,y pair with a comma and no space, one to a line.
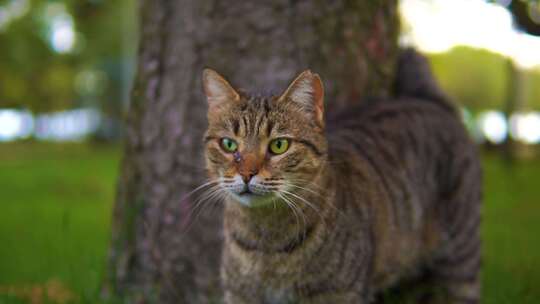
248,166
247,177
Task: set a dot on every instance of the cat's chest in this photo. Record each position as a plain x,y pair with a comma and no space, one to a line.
275,283
280,295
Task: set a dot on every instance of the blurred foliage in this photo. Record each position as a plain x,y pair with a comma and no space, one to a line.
478,79
526,15
533,90
96,71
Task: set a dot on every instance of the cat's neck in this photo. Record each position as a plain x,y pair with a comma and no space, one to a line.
281,226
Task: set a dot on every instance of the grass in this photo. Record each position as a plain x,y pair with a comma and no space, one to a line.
56,200
511,230
55,207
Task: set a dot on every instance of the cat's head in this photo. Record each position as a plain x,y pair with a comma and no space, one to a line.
261,149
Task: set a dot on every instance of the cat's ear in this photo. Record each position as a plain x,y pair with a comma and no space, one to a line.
217,89
307,91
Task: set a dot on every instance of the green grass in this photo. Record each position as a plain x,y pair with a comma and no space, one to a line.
56,200
511,230
55,207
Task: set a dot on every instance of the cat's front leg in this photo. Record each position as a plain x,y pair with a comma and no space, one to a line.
338,297
231,297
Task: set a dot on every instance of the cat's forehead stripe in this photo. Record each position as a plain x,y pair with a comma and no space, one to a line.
255,115
236,126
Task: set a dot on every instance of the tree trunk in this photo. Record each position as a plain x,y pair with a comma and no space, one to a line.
259,46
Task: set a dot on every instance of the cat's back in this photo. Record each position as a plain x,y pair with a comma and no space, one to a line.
409,159
411,145
400,127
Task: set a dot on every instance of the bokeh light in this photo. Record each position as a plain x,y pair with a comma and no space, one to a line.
494,126
15,124
525,127
70,125
67,125
61,34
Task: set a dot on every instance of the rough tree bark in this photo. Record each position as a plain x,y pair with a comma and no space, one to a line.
351,44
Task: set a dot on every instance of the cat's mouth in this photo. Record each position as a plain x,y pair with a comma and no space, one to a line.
246,191
249,198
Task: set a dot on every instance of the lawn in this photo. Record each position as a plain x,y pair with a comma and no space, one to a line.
55,207
511,230
56,200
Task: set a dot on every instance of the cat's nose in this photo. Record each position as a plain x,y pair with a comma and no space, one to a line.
246,177
249,166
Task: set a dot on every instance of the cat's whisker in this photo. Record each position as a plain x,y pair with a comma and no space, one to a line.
192,216
318,194
290,184
200,202
304,188
200,199
214,203
208,195
216,197
302,199
306,182
209,183
293,208
212,196
299,210
309,204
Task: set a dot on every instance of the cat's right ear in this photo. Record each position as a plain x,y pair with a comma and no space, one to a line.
218,91
307,91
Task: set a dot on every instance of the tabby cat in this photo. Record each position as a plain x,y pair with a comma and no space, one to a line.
338,210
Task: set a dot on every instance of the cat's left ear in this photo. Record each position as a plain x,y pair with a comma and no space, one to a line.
307,91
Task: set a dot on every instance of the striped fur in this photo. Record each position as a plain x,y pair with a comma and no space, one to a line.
384,193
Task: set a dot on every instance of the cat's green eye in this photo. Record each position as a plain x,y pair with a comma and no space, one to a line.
229,145
279,146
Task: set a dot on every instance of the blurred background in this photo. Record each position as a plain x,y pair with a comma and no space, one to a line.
66,69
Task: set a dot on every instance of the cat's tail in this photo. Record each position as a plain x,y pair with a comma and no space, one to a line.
414,79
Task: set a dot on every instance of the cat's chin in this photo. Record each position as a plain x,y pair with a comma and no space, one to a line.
252,200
